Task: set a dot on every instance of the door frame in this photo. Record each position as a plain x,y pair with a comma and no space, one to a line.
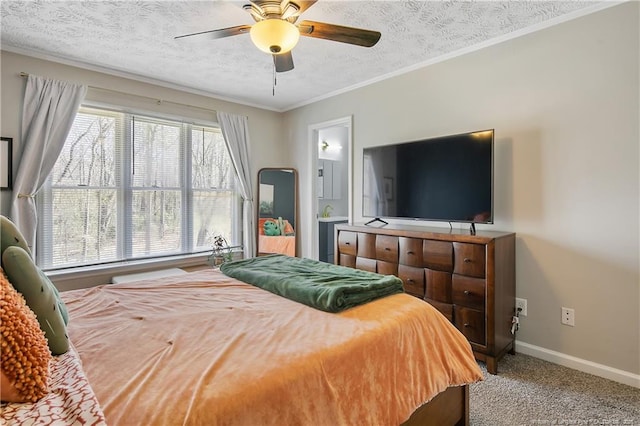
313,139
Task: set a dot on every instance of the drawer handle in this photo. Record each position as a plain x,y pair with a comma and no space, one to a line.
347,243
409,280
467,292
387,249
410,252
466,324
467,260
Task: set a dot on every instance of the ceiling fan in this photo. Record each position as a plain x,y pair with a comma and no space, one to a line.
276,31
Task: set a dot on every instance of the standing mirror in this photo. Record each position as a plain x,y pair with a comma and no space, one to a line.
277,211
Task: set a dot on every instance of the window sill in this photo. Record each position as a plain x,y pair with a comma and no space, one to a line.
90,276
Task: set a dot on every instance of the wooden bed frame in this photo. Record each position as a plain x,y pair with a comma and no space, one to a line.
450,407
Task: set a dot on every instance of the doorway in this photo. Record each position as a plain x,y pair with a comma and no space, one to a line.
330,175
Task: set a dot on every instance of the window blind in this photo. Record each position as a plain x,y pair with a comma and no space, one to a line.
131,186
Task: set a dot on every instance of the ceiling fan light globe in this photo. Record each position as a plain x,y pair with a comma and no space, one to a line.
274,36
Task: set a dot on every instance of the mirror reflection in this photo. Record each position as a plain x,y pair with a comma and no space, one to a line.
277,202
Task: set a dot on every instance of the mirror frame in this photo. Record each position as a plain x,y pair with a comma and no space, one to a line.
295,206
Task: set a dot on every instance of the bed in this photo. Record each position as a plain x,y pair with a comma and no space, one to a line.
205,348
270,244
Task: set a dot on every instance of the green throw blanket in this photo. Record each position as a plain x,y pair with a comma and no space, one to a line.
323,286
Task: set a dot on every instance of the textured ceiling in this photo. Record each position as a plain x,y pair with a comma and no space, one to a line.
137,37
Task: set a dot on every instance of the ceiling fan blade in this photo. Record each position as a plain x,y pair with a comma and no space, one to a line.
222,32
357,36
283,62
304,5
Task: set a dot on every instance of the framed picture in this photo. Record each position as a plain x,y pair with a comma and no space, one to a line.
6,155
388,188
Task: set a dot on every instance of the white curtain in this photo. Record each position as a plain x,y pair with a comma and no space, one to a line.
48,112
235,129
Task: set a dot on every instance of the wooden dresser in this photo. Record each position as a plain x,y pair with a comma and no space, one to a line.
469,278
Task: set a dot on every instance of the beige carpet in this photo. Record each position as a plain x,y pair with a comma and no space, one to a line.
530,391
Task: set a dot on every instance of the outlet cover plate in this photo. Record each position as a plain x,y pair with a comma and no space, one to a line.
568,316
521,303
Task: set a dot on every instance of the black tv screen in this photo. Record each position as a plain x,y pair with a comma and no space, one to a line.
447,179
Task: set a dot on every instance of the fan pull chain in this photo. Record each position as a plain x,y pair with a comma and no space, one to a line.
275,80
203,146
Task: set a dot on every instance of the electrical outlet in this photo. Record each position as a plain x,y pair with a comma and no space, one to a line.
521,304
568,316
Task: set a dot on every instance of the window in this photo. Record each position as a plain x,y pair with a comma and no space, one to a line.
129,187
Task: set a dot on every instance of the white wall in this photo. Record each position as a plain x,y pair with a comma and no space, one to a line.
565,105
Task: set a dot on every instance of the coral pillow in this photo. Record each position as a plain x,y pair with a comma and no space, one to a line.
41,296
25,356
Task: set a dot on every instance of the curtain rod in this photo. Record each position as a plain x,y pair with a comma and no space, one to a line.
157,101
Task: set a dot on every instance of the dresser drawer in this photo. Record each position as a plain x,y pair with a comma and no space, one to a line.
366,245
366,264
410,251
469,259
437,255
469,292
413,279
347,243
445,309
387,248
471,323
347,260
387,268
438,285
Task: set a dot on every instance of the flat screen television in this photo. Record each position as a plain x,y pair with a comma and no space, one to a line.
448,179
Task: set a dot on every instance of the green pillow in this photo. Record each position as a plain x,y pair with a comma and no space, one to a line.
11,236
271,228
40,295
61,306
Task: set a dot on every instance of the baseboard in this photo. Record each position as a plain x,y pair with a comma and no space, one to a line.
579,364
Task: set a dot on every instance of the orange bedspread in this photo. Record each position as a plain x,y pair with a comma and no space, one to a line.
277,244
203,348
